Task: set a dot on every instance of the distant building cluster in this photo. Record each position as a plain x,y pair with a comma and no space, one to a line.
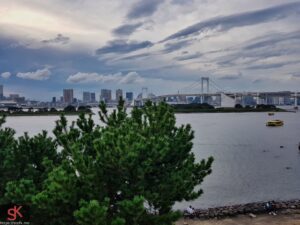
112,98
68,98
11,99
89,98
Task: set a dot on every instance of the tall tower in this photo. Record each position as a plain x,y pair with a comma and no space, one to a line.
119,94
1,92
68,96
144,92
86,97
105,95
204,79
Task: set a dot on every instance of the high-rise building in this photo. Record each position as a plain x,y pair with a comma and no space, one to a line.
119,94
53,99
13,96
86,97
129,96
68,96
93,97
105,95
1,92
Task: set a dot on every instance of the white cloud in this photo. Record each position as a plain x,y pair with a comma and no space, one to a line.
6,75
43,74
129,78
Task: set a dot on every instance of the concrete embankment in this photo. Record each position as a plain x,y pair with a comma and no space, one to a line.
253,208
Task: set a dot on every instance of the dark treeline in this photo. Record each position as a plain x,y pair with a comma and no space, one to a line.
12,110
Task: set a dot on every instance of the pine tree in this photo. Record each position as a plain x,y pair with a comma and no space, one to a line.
129,171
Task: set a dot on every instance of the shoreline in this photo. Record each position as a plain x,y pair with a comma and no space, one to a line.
43,114
229,110
283,217
242,209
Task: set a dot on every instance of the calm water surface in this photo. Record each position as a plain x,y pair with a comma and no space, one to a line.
249,163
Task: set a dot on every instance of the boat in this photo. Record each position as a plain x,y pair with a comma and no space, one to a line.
271,114
274,123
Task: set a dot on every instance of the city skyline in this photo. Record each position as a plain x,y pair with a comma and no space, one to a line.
165,45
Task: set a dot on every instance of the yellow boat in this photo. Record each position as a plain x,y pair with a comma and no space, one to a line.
271,114
274,123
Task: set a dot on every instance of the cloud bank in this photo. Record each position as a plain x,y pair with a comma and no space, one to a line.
6,75
129,78
43,74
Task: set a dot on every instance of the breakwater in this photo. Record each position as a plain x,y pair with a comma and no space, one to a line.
253,208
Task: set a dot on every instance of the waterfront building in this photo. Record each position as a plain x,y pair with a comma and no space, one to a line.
86,97
105,95
129,96
1,92
119,94
248,100
68,96
93,97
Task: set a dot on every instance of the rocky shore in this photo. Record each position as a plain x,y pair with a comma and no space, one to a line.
250,208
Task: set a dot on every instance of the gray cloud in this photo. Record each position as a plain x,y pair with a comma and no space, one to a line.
182,2
174,46
272,39
226,23
126,29
271,65
129,78
142,55
123,46
59,39
257,81
143,8
231,77
295,75
268,46
189,56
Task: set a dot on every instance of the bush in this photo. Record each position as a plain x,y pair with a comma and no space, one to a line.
262,106
53,110
86,109
238,106
70,108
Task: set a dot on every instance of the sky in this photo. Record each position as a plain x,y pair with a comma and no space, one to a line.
164,45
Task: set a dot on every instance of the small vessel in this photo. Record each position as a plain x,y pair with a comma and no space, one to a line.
274,123
271,114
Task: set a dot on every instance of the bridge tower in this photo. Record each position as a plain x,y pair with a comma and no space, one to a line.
204,79
144,92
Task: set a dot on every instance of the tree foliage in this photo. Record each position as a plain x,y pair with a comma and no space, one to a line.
130,170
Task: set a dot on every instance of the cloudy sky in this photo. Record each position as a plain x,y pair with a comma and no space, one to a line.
165,45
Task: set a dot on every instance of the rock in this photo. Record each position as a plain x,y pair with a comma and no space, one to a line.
252,215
